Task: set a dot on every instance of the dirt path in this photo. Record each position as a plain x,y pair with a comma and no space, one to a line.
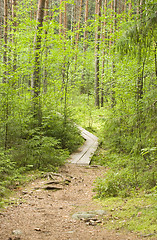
47,215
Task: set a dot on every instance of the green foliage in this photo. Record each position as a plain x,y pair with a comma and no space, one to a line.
64,130
6,165
9,174
127,174
66,80
120,183
40,152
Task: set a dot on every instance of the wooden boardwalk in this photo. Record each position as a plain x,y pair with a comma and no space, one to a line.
84,154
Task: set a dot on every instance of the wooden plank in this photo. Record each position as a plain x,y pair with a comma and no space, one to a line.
84,154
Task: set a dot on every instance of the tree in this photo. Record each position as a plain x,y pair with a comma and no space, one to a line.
46,49
104,52
5,38
98,5
113,100
36,72
14,25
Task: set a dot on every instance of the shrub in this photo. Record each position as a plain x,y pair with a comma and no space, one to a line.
121,183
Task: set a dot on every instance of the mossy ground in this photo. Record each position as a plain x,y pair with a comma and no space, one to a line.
137,214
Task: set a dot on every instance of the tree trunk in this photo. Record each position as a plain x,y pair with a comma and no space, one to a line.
60,18
85,32
72,19
78,24
130,7
82,88
155,55
36,73
1,19
77,34
113,100
111,25
97,54
14,40
46,50
5,38
140,75
103,54
140,78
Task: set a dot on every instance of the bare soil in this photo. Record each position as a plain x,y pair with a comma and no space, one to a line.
36,213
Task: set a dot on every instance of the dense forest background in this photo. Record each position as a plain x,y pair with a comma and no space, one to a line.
94,62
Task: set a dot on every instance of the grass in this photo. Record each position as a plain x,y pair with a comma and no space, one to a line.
137,214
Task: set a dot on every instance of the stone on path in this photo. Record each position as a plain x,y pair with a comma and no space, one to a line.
89,214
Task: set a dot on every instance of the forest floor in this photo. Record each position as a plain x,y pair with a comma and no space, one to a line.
40,211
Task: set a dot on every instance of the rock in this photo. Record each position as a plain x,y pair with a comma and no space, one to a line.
83,215
92,221
37,229
24,192
88,215
100,212
70,232
17,232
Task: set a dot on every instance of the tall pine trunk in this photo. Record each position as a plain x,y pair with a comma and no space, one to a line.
113,100
5,38
104,37
140,78
35,84
97,53
85,45
14,3
46,50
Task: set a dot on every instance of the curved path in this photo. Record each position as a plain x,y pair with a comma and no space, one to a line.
37,212
84,154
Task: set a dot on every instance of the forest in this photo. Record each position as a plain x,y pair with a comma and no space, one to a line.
84,61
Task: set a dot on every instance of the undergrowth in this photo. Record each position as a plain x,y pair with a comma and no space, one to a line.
126,175
128,189
137,214
45,148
